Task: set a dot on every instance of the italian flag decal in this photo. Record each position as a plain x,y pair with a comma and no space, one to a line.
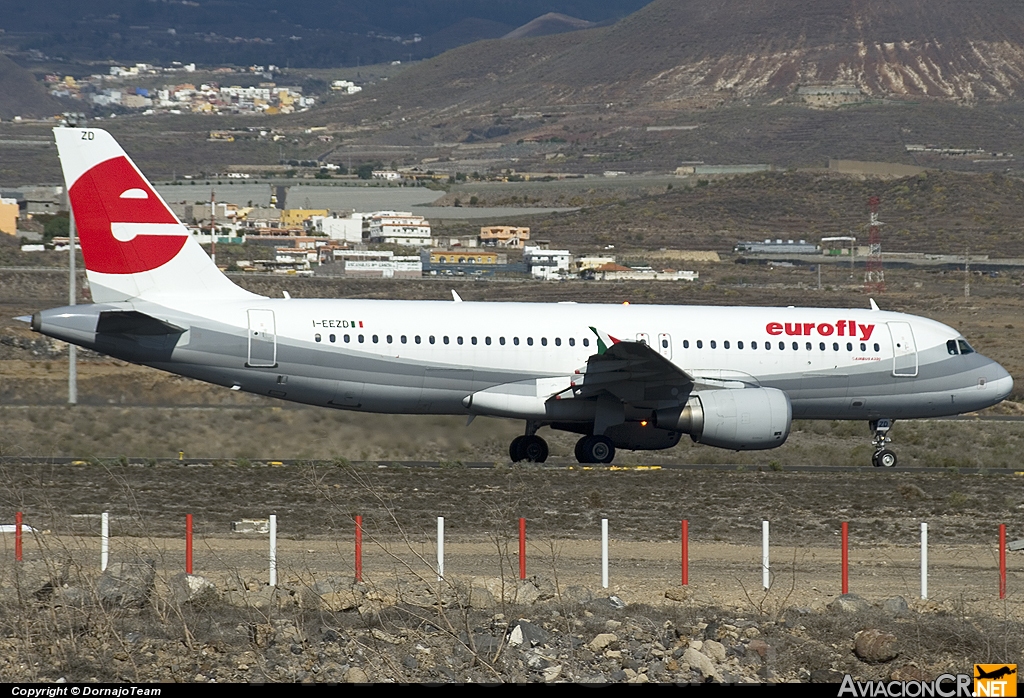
604,340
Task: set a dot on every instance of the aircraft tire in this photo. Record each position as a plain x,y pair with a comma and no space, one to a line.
595,449
886,458
533,449
515,449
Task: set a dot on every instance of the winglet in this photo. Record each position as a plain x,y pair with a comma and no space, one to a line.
604,340
456,297
874,306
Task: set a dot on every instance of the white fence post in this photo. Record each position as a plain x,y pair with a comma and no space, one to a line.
273,550
604,553
766,577
104,540
440,548
924,560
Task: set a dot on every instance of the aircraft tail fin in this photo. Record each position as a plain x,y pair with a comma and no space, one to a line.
133,245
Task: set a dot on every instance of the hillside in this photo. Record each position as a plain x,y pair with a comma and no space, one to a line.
685,53
21,94
550,23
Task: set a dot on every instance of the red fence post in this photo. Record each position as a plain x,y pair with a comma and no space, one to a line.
846,558
686,552
17,536
1002,561
188,543
359,548
522,548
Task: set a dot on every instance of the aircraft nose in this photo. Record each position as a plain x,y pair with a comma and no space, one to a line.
1002,384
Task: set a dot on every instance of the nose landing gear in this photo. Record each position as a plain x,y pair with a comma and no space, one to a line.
883,457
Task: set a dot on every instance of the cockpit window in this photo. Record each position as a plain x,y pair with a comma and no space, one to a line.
965,348
951,347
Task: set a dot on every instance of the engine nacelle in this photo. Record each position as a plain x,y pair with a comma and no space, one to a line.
740,419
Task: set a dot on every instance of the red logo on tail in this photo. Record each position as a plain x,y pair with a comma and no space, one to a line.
108,201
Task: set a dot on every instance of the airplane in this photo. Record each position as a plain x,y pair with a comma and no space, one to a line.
621,376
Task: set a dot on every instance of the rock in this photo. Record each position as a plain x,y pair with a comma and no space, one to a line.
849,603
700,662
616,602
552,673
678,594
612,625
530,633
826,676
759,647
193,589
341,600
515,637
577,594
715,650
356,675
127,584
602,641
875,646
896,606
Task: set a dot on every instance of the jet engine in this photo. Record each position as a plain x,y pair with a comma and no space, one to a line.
739,419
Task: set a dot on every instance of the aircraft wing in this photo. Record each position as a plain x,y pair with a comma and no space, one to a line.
631,371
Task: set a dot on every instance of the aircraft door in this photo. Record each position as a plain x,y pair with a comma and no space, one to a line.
904,349
262,339
665,345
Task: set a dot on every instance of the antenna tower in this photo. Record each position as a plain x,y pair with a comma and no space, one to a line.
874,277
213,228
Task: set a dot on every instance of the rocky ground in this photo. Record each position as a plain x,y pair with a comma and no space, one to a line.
130,624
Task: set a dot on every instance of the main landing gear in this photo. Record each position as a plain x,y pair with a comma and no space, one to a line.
529,447
595,449
883,457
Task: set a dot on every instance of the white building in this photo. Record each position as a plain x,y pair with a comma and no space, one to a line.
345,86
349,228
399,228
547,264
388,175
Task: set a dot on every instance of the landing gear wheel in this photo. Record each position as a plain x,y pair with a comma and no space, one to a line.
595,449
533,449
885,458
515,449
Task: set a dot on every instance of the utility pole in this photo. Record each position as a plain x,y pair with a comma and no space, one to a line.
213,228
72,349
874,278
967,273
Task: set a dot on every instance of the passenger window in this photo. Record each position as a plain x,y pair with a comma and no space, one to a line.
849,346
431,339
725,344
876,347
361,339
390,339
686,343
417,339
809,346
501,341
700,343
821,345
473,341
835,346
586,342
459,340
713,344
374,339
863,346
796,346
515,340
767,346
558,341
405,339
317,337
572,341
753,345
529,340
782,345
347,338
332,338
487,341
739,345
543,341
445,339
